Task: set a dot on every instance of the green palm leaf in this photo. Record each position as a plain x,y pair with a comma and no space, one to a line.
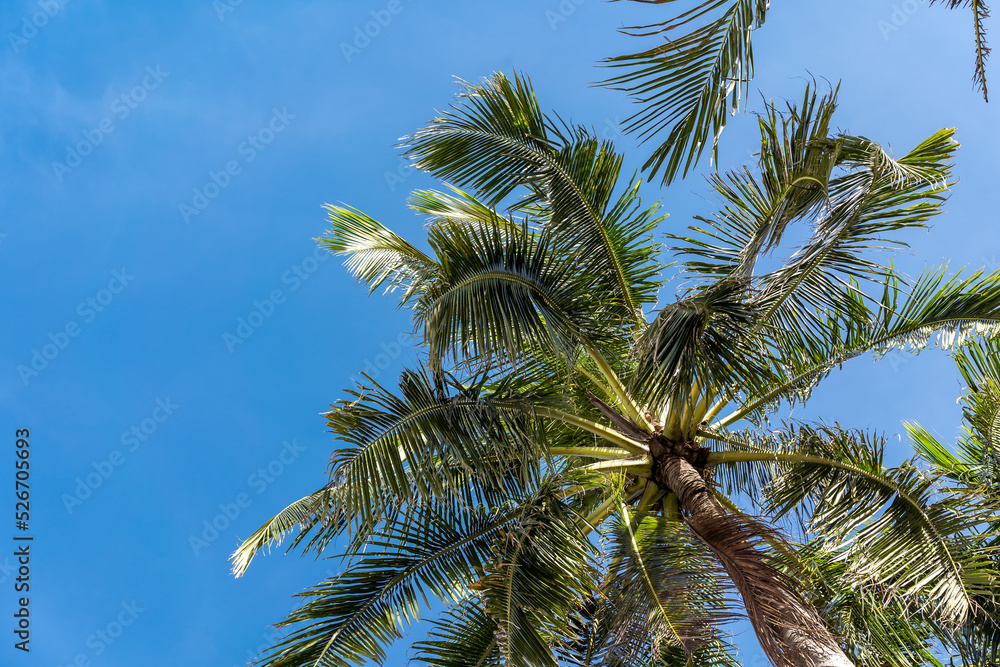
317,509
540,576
505,293
795,164
864,206
496,140
463,637
350,618
377,256
689,84
955,309
663,591
704,341
974,466
980,12
458,206
437,439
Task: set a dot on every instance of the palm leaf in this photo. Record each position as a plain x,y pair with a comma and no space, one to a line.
377,256
457,206
865,206
689,84
541,573
464,636
496,140
318,508
901,530
705,341
796,161
505,293
974,466
350,618
851,193
663,591
435,440
592,646
980,12
955,309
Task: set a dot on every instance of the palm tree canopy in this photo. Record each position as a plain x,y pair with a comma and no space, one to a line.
563,468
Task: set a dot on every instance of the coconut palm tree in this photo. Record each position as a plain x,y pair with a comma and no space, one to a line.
578,476
698,72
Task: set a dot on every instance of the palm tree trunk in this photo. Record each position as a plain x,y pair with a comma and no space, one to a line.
790,630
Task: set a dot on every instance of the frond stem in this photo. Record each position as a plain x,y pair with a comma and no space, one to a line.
636,466
605,432
846,355
645,573
631,409
604,453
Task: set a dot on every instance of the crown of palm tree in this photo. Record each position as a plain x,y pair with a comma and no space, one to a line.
564,466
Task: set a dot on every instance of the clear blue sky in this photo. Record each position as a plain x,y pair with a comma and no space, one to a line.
204,142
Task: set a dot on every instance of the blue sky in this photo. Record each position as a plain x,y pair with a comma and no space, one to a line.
164,167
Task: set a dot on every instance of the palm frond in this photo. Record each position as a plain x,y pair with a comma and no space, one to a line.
689,84
980,12
901,530
463,636
541,573
849,190
979,363
437,439
974,466
928,163
496,140
796,161
663,590
592,646
978,641
955,309
377,256
318,508
864,207
350,618
505,293
467,444
715,653
443,208
706,341
608,236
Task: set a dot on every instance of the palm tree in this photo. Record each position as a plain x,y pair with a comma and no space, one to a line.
581,477
699,71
